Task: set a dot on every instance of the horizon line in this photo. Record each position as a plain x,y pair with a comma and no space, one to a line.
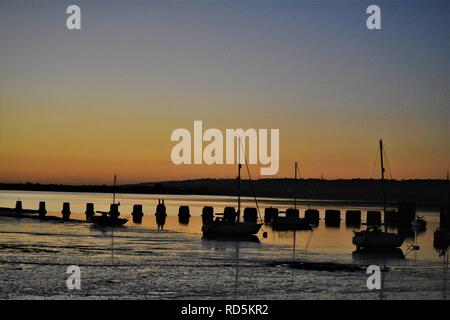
218,179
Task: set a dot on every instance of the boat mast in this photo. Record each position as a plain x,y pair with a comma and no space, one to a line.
382,180
239,181
114,190
295,186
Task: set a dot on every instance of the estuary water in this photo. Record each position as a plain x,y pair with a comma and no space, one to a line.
140,262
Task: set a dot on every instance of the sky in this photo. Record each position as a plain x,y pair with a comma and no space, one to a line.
78,106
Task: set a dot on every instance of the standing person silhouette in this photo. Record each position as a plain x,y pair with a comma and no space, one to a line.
161,214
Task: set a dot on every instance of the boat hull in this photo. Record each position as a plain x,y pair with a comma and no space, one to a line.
377,242
418,224
108,221
226,229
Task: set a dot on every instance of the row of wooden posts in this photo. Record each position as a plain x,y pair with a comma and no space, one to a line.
90,212
405,215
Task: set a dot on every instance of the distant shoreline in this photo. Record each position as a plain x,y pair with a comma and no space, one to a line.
423,192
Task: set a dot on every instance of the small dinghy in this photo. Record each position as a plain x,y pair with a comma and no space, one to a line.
106,220
111,218
419,223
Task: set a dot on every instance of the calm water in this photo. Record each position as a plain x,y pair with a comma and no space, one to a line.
140,262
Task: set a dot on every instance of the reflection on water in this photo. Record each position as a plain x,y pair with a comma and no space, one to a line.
138,261
373,258
322,239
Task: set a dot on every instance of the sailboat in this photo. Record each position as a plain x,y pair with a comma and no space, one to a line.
110,218
228,224
291,220
373,238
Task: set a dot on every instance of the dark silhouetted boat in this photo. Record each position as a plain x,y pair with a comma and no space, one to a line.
291,220
373,238
229,224
419,223
111,218
222,229
107,221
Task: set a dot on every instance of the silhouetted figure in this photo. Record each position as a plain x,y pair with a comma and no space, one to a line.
137,213
161,214
184,215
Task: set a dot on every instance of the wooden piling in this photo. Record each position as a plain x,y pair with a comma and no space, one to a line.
373,218
292,213
184,214
332,218
66,211
207,214
137,213
269,214
312,216
42,211
90,212
229,214
250,215
19,206
114,210
353,217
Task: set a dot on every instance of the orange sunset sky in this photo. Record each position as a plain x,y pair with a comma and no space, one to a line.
80,106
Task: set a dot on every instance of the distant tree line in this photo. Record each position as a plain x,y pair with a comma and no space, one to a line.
431,192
